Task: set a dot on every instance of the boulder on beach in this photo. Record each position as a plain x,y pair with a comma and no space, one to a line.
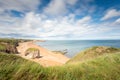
32,53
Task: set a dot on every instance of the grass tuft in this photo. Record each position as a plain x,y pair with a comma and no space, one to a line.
93,52
105,67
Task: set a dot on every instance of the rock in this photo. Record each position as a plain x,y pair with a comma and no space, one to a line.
8,48
32,53
60,52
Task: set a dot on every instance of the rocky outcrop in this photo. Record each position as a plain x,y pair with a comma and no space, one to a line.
32,53
60,52
8,48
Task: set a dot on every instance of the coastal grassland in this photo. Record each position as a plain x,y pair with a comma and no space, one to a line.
93,52
32,49
13,67
12,41
2,47
105,67
8,45
8,48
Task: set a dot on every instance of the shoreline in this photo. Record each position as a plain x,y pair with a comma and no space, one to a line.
48,57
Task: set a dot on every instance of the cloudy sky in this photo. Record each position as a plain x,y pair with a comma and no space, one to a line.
60,19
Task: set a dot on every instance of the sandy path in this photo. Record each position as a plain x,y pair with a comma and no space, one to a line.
48,58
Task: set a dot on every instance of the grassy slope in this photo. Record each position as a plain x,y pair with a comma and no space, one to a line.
105,67
93,52
14,68
12,41
8,45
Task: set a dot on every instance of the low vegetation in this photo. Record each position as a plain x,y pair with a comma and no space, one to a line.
8,48
9,45
93,52
32,49
105,67
32,53
13,67
12,41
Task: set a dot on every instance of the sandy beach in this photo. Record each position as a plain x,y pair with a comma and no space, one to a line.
48,58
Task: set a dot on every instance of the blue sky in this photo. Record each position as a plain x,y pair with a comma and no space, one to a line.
60,19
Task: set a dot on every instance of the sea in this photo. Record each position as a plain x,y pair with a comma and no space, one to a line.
73,47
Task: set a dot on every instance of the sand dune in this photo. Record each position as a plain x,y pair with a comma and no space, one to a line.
48,58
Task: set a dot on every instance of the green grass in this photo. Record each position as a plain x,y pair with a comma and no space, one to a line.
93,52
105,67
8,48
2,47
9,45
12,41
13,67
32,49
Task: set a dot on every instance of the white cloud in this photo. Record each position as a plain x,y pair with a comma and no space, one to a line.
110,14
67,27
84,20
42,27
71,2
58,7
19,5
85,6
117,21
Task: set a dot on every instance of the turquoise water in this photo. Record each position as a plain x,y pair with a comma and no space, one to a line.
75,46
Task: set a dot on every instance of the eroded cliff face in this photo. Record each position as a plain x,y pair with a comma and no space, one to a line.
8,48
10,45
32,53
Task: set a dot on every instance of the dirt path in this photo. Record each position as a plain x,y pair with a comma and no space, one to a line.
48,58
